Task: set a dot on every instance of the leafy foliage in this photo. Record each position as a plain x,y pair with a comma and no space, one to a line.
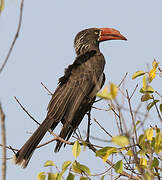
131,153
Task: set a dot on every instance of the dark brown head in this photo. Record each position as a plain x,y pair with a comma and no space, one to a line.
89,39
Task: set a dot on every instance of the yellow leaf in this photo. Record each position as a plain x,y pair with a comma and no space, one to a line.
41,176
70,176
155,64
66,164
143,162
51,176
84,145
76,149
137,74
104,94
118,166
84,168
152,75
158,142
49,163
75,167
144,83
1,5
113,90
149,89
120,140
109,152
146,97
149,134
129,153
152,72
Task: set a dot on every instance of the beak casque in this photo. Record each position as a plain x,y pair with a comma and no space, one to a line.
110,34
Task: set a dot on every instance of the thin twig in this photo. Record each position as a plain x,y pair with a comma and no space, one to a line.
46,89
134,91
3,137
158,94
157,109
130,109
26,111
15,38
123,80
50,131
9,147
125,174
103,128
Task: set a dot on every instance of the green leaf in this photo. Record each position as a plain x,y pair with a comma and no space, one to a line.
141,139
49,163
75,168
137,74
153,142
147,176
66,164
155,162
41,176
84,168
83,178
120,140
146,97
51,176
70,176
109,152
151,104
138,122
160,107
119,166
102,178
79,168
76,149
102,152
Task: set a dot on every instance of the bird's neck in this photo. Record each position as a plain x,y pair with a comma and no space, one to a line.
82,49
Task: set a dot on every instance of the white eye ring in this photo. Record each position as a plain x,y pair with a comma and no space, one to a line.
96,32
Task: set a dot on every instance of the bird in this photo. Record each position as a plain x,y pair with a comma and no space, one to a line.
76,90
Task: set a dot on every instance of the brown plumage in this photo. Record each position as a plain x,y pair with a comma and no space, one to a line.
75,92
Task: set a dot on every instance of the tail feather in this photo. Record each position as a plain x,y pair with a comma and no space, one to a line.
23,156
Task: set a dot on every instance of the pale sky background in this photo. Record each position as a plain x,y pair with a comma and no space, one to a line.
45,47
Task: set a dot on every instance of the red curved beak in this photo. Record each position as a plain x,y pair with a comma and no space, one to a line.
110,34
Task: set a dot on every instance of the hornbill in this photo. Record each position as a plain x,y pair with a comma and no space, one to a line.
76,90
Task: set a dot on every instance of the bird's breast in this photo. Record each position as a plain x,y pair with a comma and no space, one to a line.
97,86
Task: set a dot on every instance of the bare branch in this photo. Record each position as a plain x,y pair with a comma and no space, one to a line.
157,109
123,80
3,134
103,128
26,111
15,38
125,174
131,112
47,89
50,131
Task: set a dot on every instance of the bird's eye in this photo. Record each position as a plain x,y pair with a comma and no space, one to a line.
96,32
